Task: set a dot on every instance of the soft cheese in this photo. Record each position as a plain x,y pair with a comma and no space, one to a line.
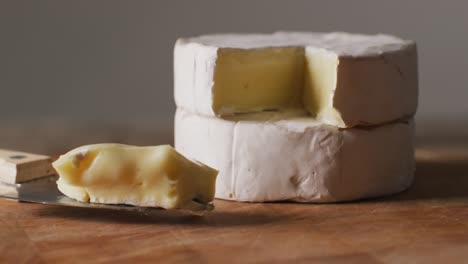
282,156
342,79
155,176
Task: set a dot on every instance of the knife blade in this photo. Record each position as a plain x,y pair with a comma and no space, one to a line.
45,191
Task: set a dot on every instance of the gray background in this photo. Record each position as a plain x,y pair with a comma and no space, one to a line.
111,61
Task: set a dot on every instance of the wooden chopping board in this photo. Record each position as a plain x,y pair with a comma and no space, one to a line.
426,224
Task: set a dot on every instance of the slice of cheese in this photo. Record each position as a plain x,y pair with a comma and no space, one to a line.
280,156
155,176
342,79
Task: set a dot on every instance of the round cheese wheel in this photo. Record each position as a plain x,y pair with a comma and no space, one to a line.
342,79
282,156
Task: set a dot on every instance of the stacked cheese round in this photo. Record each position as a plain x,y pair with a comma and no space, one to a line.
310,117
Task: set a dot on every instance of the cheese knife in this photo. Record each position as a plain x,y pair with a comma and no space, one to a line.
27,177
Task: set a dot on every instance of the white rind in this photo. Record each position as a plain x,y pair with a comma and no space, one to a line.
193,77
341,43
271,158
377,74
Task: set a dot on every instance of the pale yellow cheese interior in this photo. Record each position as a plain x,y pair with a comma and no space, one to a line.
155,176
275,79
259,79
320,79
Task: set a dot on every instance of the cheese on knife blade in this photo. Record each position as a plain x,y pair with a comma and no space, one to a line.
283,156
343,79
156,176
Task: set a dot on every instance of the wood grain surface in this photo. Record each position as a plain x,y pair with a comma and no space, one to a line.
426,224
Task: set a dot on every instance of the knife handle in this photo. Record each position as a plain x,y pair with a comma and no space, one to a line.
18,167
